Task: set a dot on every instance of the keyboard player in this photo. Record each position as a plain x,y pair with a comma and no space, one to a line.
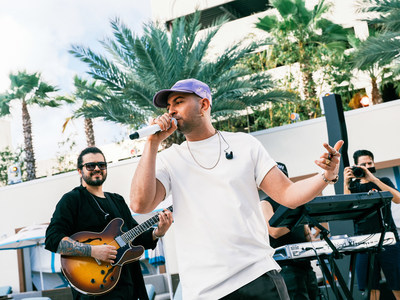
299,276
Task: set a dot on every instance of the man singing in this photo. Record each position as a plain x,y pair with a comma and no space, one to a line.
221,238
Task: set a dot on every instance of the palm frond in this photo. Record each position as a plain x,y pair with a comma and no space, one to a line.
382,49
140,66
4,105
100,67
383,12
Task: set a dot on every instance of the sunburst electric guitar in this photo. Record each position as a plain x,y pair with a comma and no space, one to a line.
94,277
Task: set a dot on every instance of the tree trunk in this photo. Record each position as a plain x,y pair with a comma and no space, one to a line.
29,154
376,96
89,132
308,83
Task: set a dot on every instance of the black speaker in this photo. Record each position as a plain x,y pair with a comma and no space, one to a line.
336,126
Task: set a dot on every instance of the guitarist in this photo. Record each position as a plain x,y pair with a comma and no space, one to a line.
88,208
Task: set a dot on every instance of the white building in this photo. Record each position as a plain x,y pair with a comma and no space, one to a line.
243,15
297,145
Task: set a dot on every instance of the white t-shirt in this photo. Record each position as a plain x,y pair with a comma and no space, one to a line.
221,236
396,214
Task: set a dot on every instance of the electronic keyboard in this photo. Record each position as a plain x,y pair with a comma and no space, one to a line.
341,243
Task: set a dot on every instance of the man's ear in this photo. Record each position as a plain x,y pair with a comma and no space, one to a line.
205,104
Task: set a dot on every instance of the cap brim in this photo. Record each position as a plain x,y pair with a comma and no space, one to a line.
160,98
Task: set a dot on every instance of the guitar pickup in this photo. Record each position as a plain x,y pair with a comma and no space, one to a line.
120,241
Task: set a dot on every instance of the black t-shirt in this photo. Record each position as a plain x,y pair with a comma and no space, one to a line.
295,236
371,224
78,210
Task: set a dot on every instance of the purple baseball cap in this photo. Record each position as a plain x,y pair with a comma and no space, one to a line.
191,86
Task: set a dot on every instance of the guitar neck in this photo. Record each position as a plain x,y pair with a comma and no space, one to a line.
130,235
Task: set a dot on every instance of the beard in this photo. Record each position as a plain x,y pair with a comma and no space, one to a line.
94,182
187,125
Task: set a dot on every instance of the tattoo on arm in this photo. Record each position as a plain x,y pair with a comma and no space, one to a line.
71,247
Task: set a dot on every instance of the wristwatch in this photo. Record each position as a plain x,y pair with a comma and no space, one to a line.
155,235
333,181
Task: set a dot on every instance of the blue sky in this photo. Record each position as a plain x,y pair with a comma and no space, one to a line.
36,36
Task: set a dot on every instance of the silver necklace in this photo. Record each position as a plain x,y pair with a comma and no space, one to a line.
105,213
219,154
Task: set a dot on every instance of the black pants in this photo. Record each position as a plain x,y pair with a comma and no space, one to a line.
301,282
268,286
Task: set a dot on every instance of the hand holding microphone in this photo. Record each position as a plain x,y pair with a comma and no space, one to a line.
152,129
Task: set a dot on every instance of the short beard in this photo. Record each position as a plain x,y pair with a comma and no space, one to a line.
96,182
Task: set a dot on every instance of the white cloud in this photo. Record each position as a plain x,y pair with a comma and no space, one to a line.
14,53
36,36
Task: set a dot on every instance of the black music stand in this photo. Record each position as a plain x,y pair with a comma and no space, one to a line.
335,208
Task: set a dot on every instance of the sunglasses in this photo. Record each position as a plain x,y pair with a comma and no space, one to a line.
90,166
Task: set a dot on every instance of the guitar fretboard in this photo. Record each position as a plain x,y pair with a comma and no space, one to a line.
130,235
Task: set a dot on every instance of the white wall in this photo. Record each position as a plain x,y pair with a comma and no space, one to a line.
297,145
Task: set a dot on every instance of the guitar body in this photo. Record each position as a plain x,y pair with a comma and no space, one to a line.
93,277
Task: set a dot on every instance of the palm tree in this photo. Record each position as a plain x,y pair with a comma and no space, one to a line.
89,132
91,96
303,36
137,67
372,69
85,92
29,89
383,48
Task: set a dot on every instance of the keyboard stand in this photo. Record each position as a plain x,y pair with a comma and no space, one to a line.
374,251
332,272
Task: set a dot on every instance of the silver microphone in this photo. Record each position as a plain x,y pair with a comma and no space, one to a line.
148,130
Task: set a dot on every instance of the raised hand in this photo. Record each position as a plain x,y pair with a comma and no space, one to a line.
167,127
330,160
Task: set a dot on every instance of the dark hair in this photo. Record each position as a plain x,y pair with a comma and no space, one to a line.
359,153
85,151
282,167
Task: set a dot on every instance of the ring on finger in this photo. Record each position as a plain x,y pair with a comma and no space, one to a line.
327,161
